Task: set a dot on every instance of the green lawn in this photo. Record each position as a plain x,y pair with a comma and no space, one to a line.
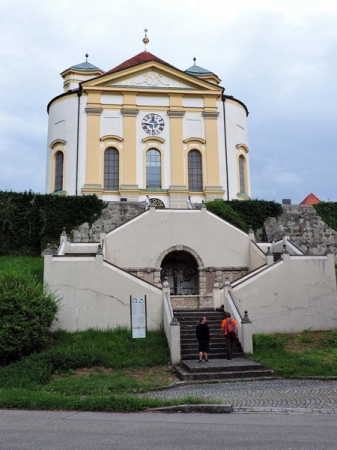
307,354
92,370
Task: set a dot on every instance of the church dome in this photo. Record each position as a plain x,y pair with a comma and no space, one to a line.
85,66
78,73
200,72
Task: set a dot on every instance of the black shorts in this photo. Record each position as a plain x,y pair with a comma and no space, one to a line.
204,346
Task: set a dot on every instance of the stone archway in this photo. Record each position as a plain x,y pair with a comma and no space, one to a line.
181,265
181,270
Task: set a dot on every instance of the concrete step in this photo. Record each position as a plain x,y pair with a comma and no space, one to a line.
193,345
221,369
221,354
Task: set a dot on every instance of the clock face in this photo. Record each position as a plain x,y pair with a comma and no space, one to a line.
153,124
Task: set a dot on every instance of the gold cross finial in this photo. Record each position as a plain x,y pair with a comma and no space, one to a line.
146,40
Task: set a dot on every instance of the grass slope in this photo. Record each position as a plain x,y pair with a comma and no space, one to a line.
307,354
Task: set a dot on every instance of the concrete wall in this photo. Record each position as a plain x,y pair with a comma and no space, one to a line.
292,295
140,242
257,257
96,294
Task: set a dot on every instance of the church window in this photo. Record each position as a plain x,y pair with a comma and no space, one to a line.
111,169
195,171
153,168
242,170
59,171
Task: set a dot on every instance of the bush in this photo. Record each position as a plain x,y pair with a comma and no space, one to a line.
26,310
28,221
223,210
328,213
255,212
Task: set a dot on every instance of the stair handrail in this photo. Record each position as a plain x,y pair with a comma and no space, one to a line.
245,331
171,326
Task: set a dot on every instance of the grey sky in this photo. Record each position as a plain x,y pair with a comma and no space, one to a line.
279,59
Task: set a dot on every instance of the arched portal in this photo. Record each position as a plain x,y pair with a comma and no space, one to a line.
181,270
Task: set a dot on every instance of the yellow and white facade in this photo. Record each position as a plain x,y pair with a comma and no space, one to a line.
146,128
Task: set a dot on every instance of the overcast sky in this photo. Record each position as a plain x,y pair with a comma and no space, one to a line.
279,58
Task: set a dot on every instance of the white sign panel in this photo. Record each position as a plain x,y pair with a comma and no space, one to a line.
138,317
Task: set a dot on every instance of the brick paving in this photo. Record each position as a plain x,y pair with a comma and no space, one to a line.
282,396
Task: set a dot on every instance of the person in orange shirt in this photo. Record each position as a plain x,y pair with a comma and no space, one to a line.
229,328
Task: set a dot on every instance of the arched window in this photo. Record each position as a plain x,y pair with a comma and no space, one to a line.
59,171
153,168
195,171
242,175
111,169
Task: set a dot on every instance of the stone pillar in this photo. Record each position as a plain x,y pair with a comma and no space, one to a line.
129,188
285,254
176,115
166,287
246,334
269,257
47,264
178,194
93,182
251,234
211,136
64,243
175,341
202,281
227,289
211,166
102,237
99,258
216,296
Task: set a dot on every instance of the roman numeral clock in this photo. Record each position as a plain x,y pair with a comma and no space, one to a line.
153,124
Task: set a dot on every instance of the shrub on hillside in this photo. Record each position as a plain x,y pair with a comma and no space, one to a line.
29,221
26,311
223,210
328,213
255,212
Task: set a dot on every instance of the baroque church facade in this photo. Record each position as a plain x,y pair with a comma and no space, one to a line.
146,128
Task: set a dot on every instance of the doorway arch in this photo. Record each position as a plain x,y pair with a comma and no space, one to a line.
181,268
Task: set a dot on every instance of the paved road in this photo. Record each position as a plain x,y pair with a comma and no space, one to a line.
288,396
60,430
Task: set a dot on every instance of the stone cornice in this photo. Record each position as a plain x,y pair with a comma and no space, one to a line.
210,114
129,112
175,114
93,111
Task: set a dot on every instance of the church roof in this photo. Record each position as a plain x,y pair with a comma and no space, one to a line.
138,59
310,199
85,67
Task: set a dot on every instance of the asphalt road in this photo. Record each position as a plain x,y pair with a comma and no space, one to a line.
40,430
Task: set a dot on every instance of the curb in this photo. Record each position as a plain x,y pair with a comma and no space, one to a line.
203,408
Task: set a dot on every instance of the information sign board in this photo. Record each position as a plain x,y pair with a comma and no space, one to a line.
138,317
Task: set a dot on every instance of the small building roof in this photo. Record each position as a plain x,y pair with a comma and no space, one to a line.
202,73
310,199
85,67
197,71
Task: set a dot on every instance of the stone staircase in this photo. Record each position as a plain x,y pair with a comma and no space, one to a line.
218,368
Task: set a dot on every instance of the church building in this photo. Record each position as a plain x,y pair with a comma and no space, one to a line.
146,128
147,131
